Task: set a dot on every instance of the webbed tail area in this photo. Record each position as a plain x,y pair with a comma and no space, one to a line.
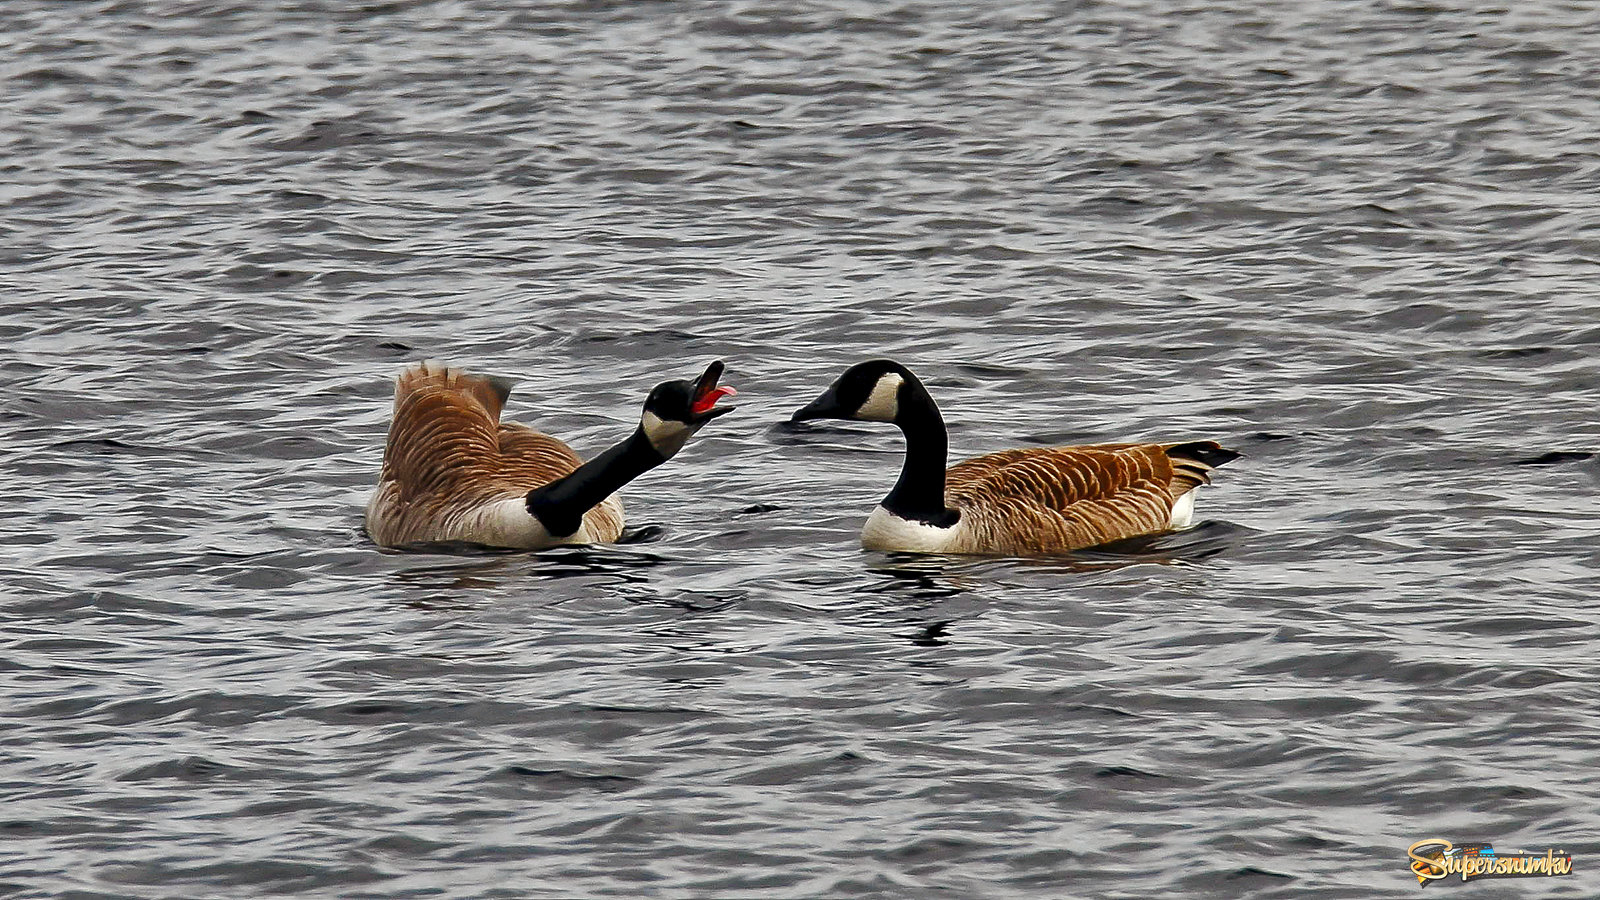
1192,463
488,391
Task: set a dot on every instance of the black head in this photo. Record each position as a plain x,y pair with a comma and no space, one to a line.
677,409
868,392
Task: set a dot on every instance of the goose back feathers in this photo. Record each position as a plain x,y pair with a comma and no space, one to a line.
1054,499
453,472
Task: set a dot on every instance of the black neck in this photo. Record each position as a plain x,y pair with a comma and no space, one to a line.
919,494
559,506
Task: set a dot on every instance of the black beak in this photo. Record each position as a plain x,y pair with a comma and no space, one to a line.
824,407
706,394
708,381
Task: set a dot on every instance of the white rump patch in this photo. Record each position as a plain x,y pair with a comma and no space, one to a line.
504,523
666,436
1183,510
883,404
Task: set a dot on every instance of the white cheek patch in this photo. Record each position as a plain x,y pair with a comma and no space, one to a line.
883,404
666,436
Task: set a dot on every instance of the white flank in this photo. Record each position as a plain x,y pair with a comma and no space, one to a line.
1183,510
884,402
886,531
507,523
503,523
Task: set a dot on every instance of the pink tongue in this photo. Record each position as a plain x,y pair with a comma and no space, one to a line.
711,398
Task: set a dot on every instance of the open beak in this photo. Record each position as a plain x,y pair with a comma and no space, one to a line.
703,408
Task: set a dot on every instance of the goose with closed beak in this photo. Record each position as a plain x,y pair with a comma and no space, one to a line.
453,472
1015,502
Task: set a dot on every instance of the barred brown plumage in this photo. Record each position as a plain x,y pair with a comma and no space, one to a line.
1054,499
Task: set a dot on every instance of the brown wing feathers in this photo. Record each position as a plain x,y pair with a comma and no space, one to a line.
448,453
489,393
443,431
1051,499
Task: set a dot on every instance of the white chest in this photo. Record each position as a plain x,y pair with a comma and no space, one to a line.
886,531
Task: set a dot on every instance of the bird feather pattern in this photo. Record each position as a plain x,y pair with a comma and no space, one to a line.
449,459
1055,499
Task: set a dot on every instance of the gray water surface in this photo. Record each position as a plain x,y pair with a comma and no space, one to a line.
1359,242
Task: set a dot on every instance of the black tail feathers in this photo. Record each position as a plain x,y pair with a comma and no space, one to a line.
1209,453
501,387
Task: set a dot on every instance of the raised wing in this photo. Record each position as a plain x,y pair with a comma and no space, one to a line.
445,430
448,458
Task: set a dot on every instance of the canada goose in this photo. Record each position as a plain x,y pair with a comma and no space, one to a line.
1015,502
452,471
